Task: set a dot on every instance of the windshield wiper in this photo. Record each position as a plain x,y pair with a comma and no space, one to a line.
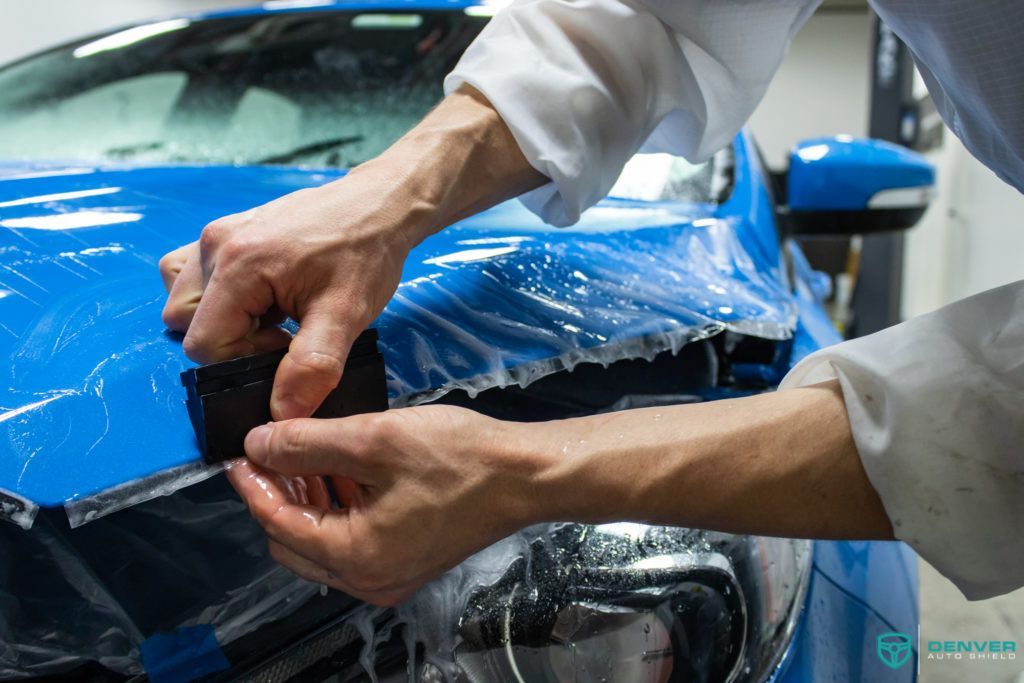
132,150
306,150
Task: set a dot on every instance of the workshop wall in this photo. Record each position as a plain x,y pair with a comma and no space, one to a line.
971,238
822,87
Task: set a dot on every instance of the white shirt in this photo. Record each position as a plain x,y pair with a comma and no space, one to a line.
936,404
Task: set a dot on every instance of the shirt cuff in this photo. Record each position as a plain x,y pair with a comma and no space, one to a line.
583,84
935,407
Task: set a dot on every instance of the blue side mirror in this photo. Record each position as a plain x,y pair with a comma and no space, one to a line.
842,185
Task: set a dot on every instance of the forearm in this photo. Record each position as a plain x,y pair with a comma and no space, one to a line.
781,464
461,159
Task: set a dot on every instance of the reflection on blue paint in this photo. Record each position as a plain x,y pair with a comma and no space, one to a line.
92,398
60,197
71,221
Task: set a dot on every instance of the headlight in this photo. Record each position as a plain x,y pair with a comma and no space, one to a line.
628,602
614,602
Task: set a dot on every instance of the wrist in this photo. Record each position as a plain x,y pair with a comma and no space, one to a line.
562,472
461,159
393,205
528,474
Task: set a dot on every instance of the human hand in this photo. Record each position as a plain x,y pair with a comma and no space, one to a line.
329,257
422,489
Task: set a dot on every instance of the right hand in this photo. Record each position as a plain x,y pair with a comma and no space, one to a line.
329,257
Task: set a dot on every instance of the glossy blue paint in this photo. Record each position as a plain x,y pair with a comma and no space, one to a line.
882,575
93,398
835,639
843,174
814,328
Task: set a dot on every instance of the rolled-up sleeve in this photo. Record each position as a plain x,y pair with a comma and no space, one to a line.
583,84
936,406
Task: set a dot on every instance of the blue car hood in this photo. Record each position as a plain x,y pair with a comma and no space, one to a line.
92,397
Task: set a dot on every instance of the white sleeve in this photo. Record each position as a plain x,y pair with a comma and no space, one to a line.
583,84
937,410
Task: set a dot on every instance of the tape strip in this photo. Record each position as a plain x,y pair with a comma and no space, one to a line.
184,655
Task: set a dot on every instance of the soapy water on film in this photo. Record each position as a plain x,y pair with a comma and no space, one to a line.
543,303
529,595
552,316
463,625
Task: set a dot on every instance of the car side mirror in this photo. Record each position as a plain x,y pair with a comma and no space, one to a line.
847,186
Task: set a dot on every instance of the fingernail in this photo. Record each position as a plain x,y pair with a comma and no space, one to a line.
257,442
290,408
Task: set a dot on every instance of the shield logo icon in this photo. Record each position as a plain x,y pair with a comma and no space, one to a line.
893,649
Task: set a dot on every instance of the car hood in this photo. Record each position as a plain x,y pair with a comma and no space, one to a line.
92,397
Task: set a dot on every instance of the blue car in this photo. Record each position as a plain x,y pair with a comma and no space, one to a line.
127,558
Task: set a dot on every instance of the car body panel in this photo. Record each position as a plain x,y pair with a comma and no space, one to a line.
94,400
836,639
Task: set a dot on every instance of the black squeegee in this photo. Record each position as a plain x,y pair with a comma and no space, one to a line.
227,399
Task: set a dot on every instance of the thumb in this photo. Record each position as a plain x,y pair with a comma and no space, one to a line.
307,447
313,365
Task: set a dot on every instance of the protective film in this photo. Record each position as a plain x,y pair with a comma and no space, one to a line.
92,411
93,403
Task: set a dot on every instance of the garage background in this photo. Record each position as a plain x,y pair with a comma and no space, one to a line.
971,239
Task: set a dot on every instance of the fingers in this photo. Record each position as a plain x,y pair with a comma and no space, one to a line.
310,531
172,263
311,571
227,316
311,447
316,492
269,338
307,569
313,366
269,495
184,281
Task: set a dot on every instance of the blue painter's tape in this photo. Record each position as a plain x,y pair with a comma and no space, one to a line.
183,655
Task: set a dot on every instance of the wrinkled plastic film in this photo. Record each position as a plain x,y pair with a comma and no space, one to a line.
139,491
17,510
96,593
511,309
94,400
527,373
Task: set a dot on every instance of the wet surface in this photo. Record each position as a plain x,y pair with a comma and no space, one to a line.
91,396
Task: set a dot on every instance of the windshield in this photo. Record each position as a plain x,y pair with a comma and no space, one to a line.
313,88
331,88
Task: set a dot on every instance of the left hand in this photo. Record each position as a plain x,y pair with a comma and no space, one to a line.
422,489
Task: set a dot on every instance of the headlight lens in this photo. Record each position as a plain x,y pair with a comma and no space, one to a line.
637,603
613,602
